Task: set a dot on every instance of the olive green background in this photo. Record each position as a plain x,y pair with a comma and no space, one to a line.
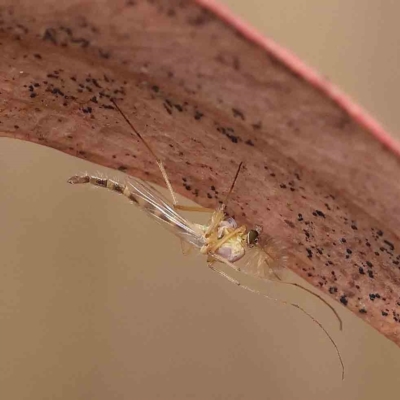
97,301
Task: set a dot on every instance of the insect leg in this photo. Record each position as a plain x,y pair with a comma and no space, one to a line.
283,302
160,166
186,247
216,245
225,202
315,295
193,208
222,273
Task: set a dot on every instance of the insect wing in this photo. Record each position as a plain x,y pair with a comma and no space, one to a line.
155,205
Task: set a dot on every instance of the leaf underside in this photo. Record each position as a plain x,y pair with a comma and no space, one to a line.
206,98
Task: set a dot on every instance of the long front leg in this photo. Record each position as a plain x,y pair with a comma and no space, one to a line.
216,257
161,167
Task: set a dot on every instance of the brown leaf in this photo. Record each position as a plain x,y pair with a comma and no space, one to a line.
206,98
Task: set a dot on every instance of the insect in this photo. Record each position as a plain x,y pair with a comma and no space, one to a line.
221,240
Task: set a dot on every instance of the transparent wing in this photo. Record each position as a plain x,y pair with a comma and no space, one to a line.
186,247
155,205
267,260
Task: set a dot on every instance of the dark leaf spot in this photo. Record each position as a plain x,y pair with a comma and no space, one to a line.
343,300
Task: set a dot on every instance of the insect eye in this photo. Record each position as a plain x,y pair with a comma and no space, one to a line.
252,237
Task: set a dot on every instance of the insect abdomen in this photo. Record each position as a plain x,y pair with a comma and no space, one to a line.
106,183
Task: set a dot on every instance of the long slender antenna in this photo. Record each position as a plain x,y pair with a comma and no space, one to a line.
233,184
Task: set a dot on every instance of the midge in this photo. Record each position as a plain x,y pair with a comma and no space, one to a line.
221,240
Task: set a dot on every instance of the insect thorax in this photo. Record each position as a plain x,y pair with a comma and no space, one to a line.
226,240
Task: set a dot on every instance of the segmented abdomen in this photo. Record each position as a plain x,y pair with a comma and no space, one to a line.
150,201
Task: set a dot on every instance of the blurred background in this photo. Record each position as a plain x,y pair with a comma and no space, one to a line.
97,301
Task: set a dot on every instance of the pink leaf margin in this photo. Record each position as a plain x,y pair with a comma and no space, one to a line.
306,72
